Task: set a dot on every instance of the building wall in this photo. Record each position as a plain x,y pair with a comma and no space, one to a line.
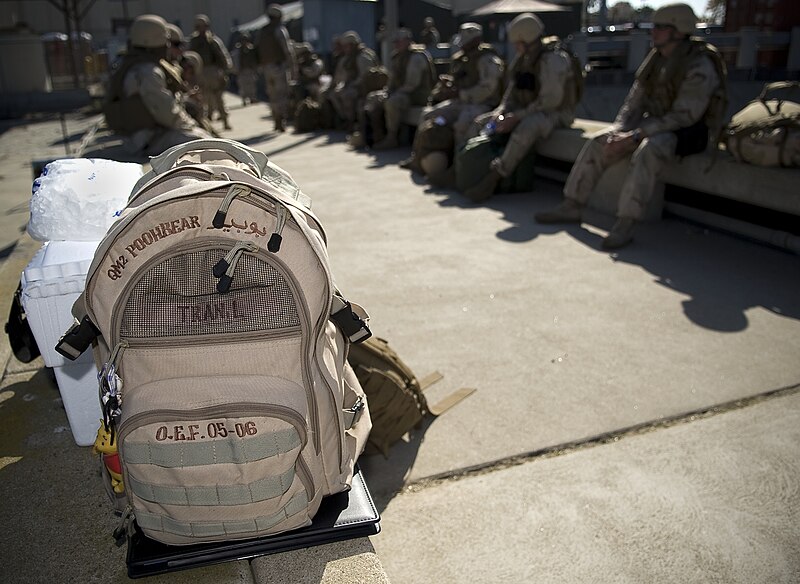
105,18
775,15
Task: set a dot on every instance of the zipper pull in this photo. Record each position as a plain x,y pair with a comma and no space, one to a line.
110,386
222,212
281,213
225,267
124,528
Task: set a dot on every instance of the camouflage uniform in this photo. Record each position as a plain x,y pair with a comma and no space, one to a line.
277,61
410,82
541,94
216,66
172,125
309,68
349,89
248,70
476,74
657,117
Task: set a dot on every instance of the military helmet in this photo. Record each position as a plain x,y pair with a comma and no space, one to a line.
202,19
149,31
680,15
525,28
174,34
194,59
468,32
351,37
274,11
428,21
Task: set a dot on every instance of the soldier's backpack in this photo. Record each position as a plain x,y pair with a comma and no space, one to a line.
433,135
767,131
308,116
376,78
396,400
473,160
229,406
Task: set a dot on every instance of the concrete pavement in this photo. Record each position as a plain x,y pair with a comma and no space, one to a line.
635,419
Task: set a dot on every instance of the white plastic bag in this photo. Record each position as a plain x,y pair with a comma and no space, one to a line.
76,199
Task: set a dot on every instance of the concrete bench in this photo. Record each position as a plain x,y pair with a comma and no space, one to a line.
774,189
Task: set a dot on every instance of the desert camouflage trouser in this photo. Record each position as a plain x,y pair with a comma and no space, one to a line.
213,86
458,115
647,161
531,128
346,100
276,79
247,84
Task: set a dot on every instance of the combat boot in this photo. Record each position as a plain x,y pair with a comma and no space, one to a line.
411,163
279,127
485,187
620,235
226,125
356,141
568,211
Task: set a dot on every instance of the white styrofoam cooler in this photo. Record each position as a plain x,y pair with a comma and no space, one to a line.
51,283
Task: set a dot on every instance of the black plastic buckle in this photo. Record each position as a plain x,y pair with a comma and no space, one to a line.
352,325
77,339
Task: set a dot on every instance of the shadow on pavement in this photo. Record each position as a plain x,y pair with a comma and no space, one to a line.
720,276
385,477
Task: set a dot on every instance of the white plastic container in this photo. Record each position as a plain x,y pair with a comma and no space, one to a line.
51,283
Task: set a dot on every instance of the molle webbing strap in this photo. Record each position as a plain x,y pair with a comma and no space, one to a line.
154,522
211,495
238,451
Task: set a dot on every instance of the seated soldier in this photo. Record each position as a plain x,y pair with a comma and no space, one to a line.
309,69
353,68
139,104
192,98
476,72
410,82
667,113
542,94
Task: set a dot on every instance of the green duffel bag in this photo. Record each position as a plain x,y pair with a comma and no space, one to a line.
473,160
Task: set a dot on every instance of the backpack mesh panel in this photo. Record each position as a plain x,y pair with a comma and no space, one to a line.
178,297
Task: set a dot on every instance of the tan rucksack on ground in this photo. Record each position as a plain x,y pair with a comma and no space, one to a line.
397,403
767,131
308,116
222,351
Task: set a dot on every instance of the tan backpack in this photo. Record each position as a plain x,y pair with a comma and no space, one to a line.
395,395
230,407
767,131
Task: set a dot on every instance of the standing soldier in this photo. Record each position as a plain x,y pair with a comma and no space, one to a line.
677,102
430,34
277,59
139,103
544,89
476,72
411,79
351,73
216,66
248,68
